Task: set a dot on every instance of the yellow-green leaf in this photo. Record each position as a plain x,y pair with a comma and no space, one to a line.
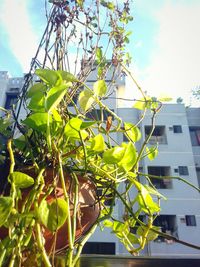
132,131
21,180
50,77
114,155
5,208
98,143
152,152
100,88
86,99
53,215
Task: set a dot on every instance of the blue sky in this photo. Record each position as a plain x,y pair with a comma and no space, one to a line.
165,44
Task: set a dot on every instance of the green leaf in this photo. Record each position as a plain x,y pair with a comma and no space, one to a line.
80,3
55,95
145,200
53,215
5,209
132,131
38,121
143,103
108,223
72,128
111,6
151,234
152,191
87,124
43,212
86,99
67,76
37,102
118,227
21,180
99,55
57,214
133,238
152,152
165,98
100,88
35,89
98,143
4,124
50,77
114,155
56,116
129,157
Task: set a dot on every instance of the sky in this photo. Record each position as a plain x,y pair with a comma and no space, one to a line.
164,45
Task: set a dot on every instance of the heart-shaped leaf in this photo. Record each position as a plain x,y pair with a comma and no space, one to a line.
5,209
55,95
21,180
129,157
86,99
50,77
72,128
53,215
132,131
100,88
38,121
98,143
114,155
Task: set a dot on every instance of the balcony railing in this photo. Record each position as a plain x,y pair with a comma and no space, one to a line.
158,139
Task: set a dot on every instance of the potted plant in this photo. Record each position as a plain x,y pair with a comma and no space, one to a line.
58,156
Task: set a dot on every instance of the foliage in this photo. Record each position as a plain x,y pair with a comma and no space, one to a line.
59,133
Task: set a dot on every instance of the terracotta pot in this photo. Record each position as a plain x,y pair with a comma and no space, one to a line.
88,210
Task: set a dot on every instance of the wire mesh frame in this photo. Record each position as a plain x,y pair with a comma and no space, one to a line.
71,27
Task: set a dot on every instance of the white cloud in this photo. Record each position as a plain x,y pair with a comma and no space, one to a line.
22,40
174,66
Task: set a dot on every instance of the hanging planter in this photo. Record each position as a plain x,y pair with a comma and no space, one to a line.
87,209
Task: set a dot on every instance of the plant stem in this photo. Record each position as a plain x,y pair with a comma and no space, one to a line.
82,243
69,226
76,200
170,177
41,246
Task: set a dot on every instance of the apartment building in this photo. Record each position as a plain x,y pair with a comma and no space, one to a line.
177,134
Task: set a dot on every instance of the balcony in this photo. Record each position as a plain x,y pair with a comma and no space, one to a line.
158,135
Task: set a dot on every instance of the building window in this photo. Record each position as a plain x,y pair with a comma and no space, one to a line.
106,197
74,99
158,135
190,220
198,176
168,225
163,183
142,218
11,99
195,135
183,170
177,129
106,248
125,139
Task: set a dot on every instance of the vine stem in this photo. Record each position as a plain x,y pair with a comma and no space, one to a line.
147,139
41,246
170,177
76,200
82,243
69,224
169,237
12,159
